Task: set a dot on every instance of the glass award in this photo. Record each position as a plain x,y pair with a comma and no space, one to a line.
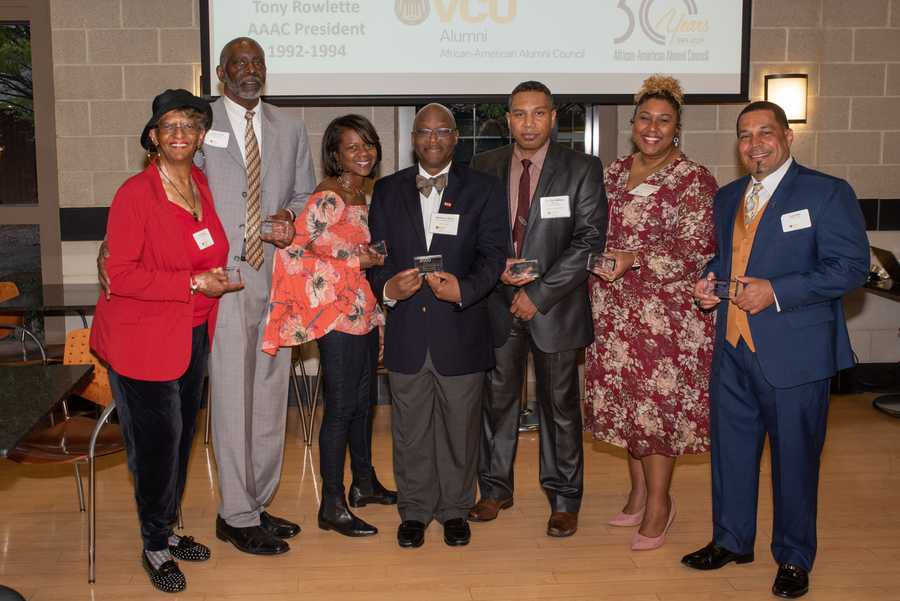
527,267
234,275
429,263
727,289
600,262
379,247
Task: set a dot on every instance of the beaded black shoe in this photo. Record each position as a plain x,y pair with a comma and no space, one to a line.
168,578
189,550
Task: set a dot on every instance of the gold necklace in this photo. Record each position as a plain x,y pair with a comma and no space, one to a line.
191,204
346,185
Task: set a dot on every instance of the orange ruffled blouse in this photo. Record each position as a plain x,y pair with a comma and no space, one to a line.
317,285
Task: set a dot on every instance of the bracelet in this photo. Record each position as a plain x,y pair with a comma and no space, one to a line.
194,285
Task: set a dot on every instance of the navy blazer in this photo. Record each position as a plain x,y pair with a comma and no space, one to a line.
810,270
457,335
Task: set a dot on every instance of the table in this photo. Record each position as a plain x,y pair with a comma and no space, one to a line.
29,392
890,289
55,299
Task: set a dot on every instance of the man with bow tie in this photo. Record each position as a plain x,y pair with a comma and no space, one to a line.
437,346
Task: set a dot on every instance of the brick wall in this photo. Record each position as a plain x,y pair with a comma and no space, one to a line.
111,57
851,51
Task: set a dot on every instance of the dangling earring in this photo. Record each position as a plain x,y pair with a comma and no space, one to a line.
677,141
200,150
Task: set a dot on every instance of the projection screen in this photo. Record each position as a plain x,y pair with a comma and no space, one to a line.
404,51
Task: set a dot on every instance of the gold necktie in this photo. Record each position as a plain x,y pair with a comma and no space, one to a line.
751,203
253,251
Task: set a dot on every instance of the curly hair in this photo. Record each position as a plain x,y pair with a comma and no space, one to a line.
663,87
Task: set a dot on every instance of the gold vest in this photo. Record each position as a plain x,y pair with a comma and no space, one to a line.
741,245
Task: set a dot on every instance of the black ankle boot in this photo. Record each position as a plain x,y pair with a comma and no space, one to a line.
362,493
334,515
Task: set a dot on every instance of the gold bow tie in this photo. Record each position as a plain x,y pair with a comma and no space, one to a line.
425,184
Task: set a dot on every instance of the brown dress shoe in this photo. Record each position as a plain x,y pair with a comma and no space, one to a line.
562,524
486,510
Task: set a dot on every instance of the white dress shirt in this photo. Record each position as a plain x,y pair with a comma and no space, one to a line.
770,184
431,204
236,116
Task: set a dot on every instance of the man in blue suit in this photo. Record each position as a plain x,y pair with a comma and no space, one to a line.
794,240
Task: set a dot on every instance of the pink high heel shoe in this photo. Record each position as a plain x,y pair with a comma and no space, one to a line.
639,542
628,519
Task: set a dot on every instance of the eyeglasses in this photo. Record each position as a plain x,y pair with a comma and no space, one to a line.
440,132
187,127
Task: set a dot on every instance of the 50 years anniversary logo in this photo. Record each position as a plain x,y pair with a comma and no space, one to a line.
416,12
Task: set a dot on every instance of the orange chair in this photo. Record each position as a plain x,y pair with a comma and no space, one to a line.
9,290
78,439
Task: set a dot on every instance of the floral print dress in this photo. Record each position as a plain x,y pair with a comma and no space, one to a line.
647,372
317,285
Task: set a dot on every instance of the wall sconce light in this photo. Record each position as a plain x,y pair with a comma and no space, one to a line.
788,90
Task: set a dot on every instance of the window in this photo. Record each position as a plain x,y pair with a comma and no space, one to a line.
483,127
17,148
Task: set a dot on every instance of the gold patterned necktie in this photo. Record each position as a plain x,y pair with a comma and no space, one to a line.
253,251
751,203
425,184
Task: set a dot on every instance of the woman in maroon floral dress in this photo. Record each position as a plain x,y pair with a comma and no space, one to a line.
647,372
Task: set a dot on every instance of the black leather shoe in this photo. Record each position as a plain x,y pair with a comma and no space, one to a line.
411,534
713,557
456,532
253,539
168,578
334,515
276,526
791,582
361,495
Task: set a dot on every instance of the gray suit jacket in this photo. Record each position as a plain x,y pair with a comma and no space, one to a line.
287,173
563,321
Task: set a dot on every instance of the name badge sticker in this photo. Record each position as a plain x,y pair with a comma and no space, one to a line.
644,190
216,138
444,223
555,207
203,239
798,220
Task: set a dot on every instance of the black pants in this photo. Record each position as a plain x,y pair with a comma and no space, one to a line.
559,409
348,369
158,422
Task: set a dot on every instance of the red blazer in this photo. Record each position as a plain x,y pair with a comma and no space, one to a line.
144,330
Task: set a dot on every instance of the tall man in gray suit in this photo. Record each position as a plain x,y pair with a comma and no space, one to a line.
258,164
557,215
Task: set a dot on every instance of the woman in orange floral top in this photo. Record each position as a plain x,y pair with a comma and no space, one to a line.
320,292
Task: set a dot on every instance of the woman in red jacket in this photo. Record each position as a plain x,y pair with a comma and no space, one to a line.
167,249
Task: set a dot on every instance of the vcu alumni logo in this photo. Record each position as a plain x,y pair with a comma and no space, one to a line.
412,12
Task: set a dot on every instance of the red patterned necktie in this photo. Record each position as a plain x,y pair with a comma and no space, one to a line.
524,202
253,251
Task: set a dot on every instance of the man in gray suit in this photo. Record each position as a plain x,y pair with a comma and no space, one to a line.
258,163
557,216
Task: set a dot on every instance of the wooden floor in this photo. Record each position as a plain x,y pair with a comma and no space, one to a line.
43,536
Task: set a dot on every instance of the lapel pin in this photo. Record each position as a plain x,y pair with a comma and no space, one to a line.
448,204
